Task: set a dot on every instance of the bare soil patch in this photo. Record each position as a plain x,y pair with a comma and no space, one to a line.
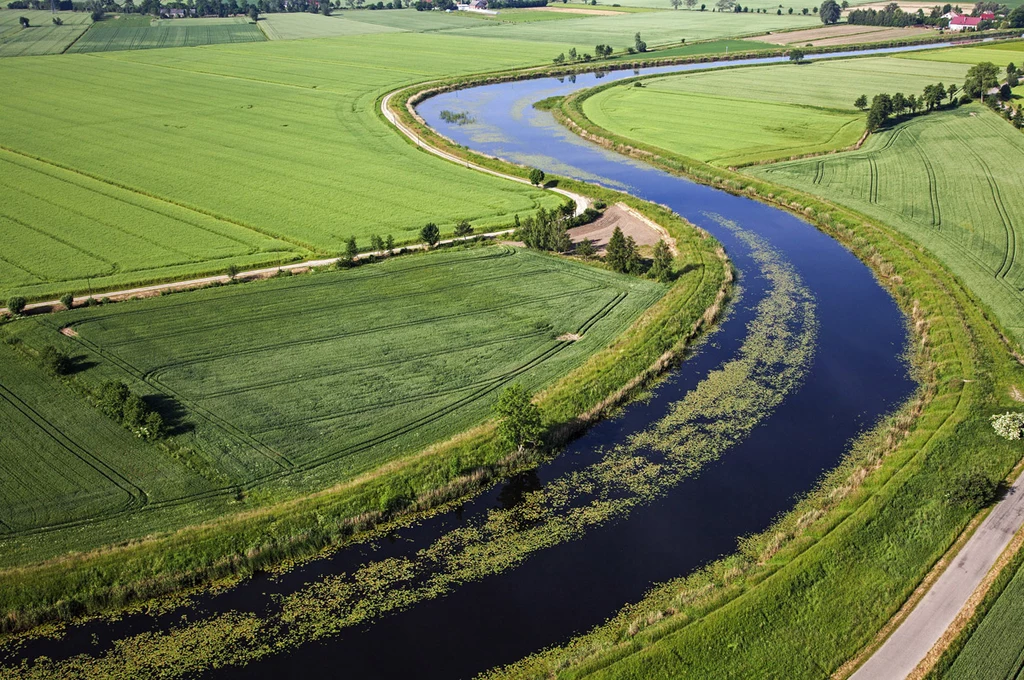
69,331
600,230
575,10
844,34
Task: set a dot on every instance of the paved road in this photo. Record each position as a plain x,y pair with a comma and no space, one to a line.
919,632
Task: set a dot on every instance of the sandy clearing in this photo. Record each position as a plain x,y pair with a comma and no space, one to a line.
619,215
576,10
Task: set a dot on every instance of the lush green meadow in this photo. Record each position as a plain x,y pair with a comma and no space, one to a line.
772,111
109,36
42,36
297,382
950,181
240,154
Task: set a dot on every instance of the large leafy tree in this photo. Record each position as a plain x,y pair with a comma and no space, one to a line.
519,424
981,78
829,12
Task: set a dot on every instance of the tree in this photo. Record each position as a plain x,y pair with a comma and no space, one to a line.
661,268
572,54
57,21
389,243
690,4
1016,18
951,91
55,361
16,305
23,21
622,254
881,109
980,78
1005,92
376,244
585,248
1013,79
325,8
560,59
861,102
351,249
536,176
254,13
913,104
724,5
463,228
796,55
639,44
430,234
899,103
675,3
519,424
68,300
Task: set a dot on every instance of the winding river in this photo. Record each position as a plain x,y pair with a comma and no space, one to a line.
853,373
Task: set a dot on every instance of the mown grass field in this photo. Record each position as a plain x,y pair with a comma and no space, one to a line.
745,115
950,181
237,154
109,36
299,382
298,25
42,36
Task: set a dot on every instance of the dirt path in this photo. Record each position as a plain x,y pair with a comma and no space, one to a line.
926,624
156,289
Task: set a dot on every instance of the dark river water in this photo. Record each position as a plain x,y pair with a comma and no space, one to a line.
857,375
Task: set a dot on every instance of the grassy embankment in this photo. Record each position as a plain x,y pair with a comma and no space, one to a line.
809,593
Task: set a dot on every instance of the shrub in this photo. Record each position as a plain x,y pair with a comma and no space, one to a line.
974,490
55,361
68,300
1009,425
16,304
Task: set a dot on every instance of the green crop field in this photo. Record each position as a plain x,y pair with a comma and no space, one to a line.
42,36
951,181
999,53
656,28
745,115
296,382
110,36
240,154
995,649
297,25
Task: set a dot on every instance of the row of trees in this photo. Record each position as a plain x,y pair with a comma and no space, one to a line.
128,409
884,106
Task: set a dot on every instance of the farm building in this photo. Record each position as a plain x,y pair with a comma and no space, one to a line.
964,24
987,16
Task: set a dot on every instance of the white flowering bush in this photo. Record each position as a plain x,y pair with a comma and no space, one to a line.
1009,425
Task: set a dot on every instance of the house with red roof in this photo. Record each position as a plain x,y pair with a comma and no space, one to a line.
957,24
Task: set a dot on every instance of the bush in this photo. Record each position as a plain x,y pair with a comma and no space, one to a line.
16,305
68,300
975,491
128,409
1009,425
55,361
